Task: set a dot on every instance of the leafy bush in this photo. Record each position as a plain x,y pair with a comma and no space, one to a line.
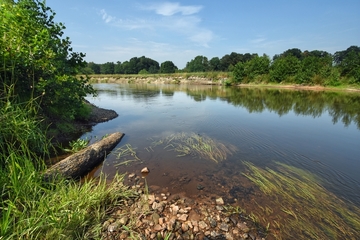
37,61
283,68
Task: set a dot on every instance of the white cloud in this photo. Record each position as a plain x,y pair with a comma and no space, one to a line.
258,40
107,18
169,9
168,24
202,37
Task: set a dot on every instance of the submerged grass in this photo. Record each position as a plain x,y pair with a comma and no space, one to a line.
309,210
125,155
192,144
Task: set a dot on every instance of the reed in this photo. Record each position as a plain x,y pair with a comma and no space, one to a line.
309,210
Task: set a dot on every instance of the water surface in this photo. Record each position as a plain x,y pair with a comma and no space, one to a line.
311,130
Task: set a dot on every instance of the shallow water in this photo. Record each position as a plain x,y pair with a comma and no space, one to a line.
315,131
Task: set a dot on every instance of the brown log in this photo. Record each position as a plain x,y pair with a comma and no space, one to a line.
82,162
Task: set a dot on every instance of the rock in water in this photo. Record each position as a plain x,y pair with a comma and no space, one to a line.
145,170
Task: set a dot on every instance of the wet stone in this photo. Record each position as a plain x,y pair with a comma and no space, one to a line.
183,217
219,201
113,227
155,217
212,222
243,227
184,227
157,228
202,225
224,227
219,208
233,220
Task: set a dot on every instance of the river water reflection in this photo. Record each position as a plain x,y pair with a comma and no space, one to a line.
311,130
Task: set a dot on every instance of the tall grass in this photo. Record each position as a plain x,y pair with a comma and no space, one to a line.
30,207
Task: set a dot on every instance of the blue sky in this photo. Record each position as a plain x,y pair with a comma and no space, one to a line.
117,30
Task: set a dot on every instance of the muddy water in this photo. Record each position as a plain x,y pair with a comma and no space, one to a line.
315,131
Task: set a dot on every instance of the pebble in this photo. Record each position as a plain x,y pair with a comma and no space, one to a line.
181,218
219,201
212,222
202,225
113,227
224,227
145,170
157,228
243,227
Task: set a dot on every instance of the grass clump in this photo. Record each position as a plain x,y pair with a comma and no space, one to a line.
192,144
308,210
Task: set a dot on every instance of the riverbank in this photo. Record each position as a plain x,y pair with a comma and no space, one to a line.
197,79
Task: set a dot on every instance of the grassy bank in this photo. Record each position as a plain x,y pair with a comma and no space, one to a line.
32,208
218,78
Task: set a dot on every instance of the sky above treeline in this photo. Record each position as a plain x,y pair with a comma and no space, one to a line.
178,31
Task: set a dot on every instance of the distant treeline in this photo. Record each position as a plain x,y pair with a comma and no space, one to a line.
293,65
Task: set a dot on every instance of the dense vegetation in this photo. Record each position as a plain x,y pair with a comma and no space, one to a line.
38,84
292,66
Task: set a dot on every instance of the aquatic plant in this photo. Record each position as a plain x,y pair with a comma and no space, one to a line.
307,209
125,155
192,144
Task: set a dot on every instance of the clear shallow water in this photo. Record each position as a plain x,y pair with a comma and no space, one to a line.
315,131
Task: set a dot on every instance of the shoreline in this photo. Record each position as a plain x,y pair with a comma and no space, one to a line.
195,80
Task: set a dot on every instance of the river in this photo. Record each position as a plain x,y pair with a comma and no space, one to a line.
315,131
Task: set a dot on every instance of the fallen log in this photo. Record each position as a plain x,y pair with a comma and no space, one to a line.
82,162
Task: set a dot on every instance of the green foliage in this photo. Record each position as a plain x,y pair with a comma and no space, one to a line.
77,145
348,62
283,68
107,68
215,64
168,67
60,209
143,72
19,125
198,64
94,67
239,72
37,61
251,69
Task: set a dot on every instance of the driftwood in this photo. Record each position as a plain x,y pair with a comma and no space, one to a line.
84,161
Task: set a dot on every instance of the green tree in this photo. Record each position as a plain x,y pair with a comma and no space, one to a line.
315,67
118,69
38,62
215,64
348,63
198,64
283,68
107,68
95,67
168,67
251,69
